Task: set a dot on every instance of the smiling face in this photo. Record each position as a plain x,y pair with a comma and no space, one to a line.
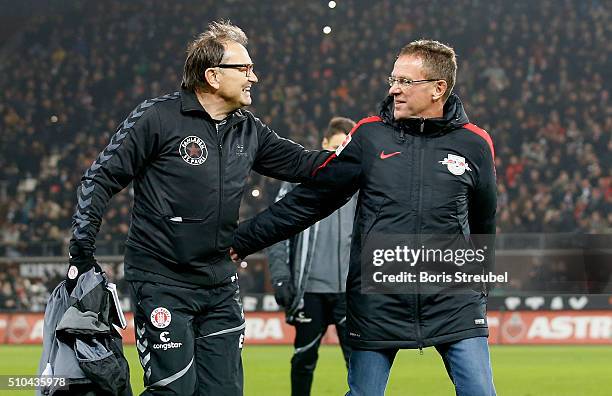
234,86
418,99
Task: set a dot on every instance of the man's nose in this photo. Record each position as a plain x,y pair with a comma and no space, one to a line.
394,90
253,77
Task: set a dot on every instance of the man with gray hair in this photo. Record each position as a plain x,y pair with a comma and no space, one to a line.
188,154
422,169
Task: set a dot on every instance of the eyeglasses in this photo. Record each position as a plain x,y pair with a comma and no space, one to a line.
406,82
247,68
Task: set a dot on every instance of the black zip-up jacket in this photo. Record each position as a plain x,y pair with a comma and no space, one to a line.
189,173
407,185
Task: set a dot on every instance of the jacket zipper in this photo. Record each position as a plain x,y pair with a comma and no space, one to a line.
180,219
220,200
417,233
339,253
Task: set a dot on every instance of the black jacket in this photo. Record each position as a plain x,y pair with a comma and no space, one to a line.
80,343
406,186
189,173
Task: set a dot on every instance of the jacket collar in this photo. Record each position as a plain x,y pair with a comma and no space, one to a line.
454,117
190,104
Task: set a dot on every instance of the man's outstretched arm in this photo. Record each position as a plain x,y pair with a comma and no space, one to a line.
284,159
335,182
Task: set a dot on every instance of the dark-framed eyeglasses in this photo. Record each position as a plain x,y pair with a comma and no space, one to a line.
247,68
406,82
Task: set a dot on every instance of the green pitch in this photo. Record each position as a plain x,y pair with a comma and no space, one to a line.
518,370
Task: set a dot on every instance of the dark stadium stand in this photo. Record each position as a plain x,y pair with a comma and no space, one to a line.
533,74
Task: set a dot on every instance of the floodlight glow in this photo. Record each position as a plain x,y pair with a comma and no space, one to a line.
327,30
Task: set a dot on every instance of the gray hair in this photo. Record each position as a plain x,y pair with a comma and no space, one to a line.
207,50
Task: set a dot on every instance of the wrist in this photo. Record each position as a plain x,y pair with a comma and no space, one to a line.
79,265
79,252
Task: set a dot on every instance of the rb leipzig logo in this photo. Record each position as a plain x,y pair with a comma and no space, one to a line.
455,164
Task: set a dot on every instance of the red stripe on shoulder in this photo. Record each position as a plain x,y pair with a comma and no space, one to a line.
324,164
483,134
366,120
347,140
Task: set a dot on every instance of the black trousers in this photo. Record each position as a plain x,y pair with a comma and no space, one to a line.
189,341
319,311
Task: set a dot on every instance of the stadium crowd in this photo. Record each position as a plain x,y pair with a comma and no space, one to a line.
531,73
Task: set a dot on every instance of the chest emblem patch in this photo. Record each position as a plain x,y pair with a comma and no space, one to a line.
455,164
161,317
193,150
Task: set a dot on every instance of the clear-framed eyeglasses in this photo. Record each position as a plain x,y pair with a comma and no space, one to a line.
406,82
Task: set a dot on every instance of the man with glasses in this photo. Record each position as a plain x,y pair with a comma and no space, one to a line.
420,168
188,154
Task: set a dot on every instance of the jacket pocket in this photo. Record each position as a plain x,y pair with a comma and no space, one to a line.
192,239
104,364
369,223
464,230
463,223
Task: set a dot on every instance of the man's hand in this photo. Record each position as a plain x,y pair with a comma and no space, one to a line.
284,293
77,267
235,258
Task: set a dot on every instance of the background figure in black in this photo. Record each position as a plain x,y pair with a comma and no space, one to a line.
309,276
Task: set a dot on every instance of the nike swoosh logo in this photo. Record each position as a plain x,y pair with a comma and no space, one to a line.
385,156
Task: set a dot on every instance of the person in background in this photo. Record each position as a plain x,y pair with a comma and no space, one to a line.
309,276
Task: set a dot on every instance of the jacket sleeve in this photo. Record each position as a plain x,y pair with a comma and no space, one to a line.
483,207
284,159
130,148
279,253
334,183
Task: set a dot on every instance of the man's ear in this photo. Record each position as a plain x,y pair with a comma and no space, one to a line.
324,143
212,78
440,89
